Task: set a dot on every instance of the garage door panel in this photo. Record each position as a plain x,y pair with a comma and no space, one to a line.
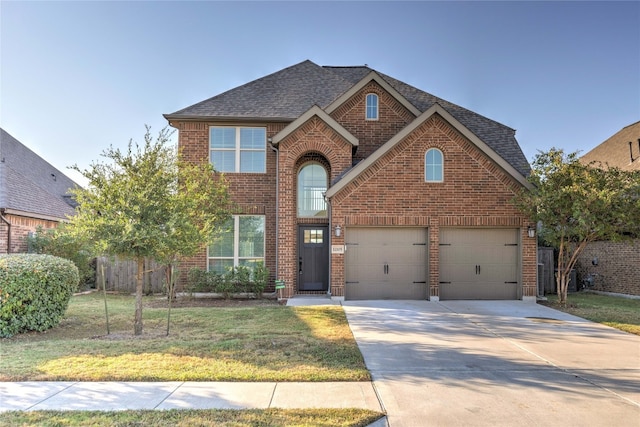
478,263
385,263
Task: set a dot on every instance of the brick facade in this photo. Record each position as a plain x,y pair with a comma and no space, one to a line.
618,268
476,191
20,227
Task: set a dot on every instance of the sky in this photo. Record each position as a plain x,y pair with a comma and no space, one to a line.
78,77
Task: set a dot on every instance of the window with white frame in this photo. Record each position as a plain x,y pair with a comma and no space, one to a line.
240,242
433,165
312,184
238,149
372,107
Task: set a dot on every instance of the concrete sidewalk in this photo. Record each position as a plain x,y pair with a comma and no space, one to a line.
113,396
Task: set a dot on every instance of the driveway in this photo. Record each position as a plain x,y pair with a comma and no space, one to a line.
496,363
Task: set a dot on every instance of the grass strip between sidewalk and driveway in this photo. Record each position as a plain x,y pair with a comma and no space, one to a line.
262,341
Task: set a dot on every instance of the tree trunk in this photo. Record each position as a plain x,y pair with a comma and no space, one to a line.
137,325
562,286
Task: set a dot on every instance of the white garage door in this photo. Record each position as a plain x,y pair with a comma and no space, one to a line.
478,263
386,263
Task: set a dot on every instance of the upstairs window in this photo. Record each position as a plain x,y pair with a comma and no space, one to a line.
238,149
433,165
372,107
312,184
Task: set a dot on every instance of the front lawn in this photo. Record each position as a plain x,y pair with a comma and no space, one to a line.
260,342
617,312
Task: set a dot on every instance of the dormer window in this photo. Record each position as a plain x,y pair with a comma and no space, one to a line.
372,107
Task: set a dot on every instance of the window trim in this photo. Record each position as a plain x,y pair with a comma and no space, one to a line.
238,150
373,108
427,165
236,258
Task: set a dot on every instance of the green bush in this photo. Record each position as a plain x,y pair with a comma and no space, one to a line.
236,280
59,242
34,291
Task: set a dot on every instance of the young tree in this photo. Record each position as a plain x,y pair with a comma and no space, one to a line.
577,204
148,202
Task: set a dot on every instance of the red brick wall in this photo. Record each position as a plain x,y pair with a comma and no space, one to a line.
392,117
618,268
253,193
20,228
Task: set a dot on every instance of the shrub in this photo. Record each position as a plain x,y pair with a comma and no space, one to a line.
58,242
34,291
236,280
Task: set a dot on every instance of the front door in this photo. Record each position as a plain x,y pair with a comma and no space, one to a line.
313,258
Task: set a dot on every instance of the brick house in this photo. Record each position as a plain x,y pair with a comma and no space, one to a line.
351,183
618,263
32,193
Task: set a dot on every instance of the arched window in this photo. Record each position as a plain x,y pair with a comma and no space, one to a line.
433,165
372,107
312,184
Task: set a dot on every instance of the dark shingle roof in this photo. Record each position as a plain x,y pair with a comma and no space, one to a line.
287,94
30,184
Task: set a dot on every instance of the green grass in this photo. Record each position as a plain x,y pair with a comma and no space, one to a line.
200,418
617,312
267,342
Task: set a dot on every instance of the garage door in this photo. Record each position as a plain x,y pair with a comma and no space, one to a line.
478,264
386,263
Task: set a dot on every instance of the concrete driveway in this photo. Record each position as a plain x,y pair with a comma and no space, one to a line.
496,363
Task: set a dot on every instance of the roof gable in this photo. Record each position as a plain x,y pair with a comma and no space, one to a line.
314,111
372,76
29,184
435,109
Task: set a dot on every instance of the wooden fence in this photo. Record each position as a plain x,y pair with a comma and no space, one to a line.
546,274
120,275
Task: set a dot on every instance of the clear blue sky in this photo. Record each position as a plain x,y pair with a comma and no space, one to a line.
77,77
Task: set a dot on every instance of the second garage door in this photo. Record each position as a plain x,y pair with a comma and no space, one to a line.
386,263
478,263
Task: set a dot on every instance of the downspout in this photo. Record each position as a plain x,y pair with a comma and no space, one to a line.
330,239
6,221
277,200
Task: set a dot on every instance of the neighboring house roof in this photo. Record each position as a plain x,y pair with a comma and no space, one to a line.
621,150
29,185
287,94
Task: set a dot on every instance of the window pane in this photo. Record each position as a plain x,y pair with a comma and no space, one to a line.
252,161
434,168
221,266
224,161
251,242
312,184
255,138
223,137
222,245
372,106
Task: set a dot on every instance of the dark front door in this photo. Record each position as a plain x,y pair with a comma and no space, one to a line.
313,258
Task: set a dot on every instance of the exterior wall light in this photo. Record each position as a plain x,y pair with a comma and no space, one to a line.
338,231
531,231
